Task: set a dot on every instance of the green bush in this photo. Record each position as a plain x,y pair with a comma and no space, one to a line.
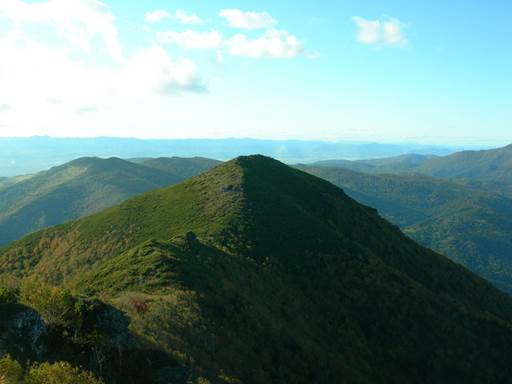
55,305
10,371
59,373
8,295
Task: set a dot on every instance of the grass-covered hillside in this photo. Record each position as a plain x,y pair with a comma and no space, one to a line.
255,272
82,187
469,226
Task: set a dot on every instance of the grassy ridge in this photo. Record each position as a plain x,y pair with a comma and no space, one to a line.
82,187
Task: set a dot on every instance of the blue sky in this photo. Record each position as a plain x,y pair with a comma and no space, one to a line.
431,71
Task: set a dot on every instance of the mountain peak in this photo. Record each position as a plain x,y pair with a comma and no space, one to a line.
255,160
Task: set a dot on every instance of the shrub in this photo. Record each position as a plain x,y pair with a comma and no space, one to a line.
55,305
59,373
8,295
10,371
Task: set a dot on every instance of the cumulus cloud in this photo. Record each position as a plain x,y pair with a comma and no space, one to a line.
77,21
56,75
152,69
380,32
237,18
191,39
277,44
62,80
273,44
183,17
36,72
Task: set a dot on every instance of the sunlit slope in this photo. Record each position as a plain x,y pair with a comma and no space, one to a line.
82,187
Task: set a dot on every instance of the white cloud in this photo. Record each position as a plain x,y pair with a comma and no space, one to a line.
191,39
380,32
36,72
183,17
156,16
78,21
89,109
56,75
393,33
152,69
40,78
369,31
188,19
273,44
237,18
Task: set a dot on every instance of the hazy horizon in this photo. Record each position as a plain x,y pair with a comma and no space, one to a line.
460,142
33,154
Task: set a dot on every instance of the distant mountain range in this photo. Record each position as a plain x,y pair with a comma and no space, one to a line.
29,155
82,187
490,170
255,272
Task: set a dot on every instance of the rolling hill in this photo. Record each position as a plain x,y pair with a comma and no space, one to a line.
471,227
254,272
184,168
82,187
489,170
395,164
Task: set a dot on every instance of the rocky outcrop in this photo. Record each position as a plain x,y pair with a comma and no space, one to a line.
22,331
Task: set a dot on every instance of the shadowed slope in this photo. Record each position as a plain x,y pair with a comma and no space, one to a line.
469,226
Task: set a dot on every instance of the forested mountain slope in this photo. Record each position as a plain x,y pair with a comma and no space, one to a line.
470,226
255,272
